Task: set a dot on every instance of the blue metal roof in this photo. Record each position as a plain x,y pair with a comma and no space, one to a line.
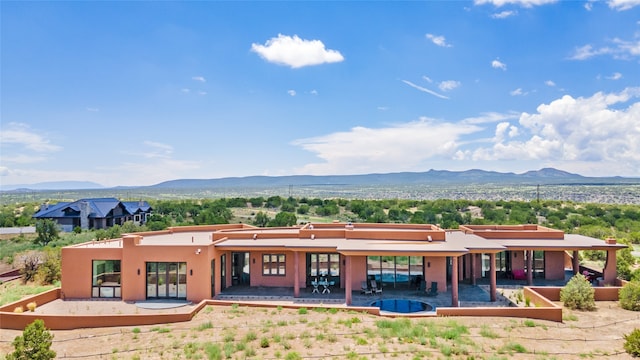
99,208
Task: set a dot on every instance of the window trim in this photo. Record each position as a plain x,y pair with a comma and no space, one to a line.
274,264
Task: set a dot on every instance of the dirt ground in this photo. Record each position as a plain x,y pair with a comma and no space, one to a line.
240,332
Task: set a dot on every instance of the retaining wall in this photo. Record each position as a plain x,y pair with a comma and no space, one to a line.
541,300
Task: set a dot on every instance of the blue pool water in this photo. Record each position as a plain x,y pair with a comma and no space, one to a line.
402,306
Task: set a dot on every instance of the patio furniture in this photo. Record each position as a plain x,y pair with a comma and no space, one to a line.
434,289
365,289
315,285
422,287
325,285
519,274
375,288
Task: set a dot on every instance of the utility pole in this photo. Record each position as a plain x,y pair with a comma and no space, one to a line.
538,193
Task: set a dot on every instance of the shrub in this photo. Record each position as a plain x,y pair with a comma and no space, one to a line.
34,343
630,296
578,294
632,343
18,310
32,306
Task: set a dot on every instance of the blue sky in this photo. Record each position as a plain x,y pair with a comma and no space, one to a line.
135,93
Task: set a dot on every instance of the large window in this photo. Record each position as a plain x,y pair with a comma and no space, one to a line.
324,265
273,265
106,279
396,270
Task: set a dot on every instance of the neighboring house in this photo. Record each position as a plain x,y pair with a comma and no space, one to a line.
200,262
99,213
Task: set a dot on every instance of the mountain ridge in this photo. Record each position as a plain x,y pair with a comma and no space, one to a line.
544,176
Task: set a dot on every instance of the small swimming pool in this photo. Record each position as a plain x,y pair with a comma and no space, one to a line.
403,306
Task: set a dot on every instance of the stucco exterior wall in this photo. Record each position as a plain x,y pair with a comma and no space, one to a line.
517,259
554,265
77,268
436,270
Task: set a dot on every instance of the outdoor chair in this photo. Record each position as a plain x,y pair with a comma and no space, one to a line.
365,289
375,288
422,286
434,289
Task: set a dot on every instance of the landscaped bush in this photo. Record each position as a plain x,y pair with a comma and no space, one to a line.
630,296
578,294
632,343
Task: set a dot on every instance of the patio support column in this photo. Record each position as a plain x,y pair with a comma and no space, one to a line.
347,284
492,277
473,269
610,272
529,267
454,282
296,274
576,262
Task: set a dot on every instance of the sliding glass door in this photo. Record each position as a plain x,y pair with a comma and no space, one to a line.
167,280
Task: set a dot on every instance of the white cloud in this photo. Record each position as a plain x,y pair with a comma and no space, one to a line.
497,64
518,92
185,90
438,40
395,148
550,83
291,92
202,92
92,109
615,76
424,89
383,108
21,135
4,171
296,52
491,117
314,92
523,3
504,14
199,78
157,150
449,85
600,130
621,5
427,79
618,49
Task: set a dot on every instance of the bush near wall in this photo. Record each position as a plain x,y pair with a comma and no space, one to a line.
578,294
630,296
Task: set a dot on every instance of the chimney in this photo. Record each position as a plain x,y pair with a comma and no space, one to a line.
85,210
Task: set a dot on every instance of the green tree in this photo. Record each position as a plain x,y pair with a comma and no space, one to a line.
284,219
49,270
33,344
261,219
47,231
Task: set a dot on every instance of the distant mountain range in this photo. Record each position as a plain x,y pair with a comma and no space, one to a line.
544,176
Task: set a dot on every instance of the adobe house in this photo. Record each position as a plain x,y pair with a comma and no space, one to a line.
200,262
99,213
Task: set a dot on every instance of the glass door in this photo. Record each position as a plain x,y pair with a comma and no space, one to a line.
167,280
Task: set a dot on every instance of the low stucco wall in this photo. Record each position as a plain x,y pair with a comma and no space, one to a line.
541,298
602,293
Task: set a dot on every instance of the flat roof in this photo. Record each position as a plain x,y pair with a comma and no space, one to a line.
456,241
